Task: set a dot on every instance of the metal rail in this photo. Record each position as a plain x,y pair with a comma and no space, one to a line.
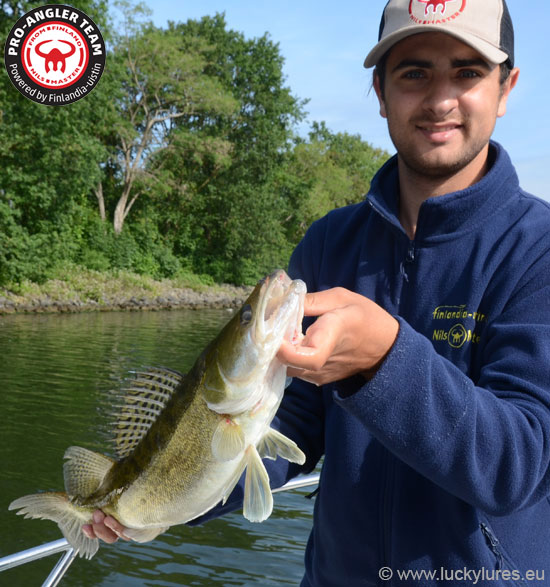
299,482
61,545
32,554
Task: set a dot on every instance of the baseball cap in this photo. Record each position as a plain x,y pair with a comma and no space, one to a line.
485,25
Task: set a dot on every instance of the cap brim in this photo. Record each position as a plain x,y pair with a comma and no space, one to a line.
487,50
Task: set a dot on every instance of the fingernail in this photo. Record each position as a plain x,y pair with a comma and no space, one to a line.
86,532
98,517
112,526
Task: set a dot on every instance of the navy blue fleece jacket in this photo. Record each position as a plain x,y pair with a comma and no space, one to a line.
441,462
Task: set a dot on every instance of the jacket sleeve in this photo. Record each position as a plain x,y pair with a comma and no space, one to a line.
488,441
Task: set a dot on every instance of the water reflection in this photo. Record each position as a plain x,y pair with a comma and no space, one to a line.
56,374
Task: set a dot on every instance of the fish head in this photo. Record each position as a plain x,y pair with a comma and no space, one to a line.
241,355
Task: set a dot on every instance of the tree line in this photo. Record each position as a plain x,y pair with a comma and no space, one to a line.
184,158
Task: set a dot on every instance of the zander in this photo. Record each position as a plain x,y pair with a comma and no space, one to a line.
183,442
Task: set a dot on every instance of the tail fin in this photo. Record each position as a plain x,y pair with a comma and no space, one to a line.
69,518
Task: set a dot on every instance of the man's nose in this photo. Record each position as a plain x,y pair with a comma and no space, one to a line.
441,97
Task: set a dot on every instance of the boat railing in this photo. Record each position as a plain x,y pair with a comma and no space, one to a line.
61,545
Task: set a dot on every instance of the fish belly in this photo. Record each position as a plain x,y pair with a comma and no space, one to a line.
150,503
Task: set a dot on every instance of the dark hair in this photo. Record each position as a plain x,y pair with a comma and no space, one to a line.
380,71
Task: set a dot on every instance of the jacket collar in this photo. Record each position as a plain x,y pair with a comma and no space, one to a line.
456,212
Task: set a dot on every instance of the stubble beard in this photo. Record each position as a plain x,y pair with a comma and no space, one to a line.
433,167
436,170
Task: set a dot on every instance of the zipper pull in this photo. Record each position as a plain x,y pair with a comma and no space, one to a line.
491,538
493,542
410,253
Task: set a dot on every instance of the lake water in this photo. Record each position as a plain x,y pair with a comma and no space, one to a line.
56,371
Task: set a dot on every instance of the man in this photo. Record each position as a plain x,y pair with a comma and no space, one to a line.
432,342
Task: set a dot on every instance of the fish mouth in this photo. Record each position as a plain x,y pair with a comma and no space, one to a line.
281,308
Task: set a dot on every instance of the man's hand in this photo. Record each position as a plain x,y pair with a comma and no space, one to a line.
351,335
105,528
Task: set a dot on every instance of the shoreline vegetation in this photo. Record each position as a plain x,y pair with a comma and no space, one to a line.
76,289
189,156
191,169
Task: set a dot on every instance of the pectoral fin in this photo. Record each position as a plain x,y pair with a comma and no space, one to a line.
274,443
258,501
228,440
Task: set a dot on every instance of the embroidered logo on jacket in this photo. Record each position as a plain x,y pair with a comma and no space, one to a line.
457,325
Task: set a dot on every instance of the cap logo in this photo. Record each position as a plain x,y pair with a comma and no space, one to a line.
435,11
435,4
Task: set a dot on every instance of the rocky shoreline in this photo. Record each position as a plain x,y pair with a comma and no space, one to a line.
226,296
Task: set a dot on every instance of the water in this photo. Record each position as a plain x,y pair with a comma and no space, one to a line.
56,371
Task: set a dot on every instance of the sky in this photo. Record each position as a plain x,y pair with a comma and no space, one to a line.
325,42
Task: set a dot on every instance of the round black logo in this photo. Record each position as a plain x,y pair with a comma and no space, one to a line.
55,55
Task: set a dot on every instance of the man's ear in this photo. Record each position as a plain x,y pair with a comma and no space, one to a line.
376,86
506,89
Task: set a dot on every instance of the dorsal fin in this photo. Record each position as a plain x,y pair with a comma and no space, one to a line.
142,400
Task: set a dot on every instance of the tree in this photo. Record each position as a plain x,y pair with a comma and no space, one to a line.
333,170
161,80
187,143
50,162
229,224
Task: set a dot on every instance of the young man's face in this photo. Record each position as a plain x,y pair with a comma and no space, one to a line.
441,100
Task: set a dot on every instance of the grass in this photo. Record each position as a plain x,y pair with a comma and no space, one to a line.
73,283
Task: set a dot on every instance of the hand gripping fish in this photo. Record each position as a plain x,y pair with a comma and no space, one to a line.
183,442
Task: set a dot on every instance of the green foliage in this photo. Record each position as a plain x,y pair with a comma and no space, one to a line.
225,220
183,161
139,249
335,170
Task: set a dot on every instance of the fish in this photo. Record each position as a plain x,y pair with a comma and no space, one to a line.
182,442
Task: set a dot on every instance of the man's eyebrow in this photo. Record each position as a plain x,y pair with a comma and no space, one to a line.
412,63
477,61
455,63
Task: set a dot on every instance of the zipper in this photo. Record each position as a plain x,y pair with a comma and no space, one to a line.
410,253
502,560
493,542
396,224
390,219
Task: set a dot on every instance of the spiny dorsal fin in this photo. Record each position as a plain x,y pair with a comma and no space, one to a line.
84,470
142,400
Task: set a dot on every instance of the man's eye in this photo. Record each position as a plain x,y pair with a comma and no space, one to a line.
414,74
469,73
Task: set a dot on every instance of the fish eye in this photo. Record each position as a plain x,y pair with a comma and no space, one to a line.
246,314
